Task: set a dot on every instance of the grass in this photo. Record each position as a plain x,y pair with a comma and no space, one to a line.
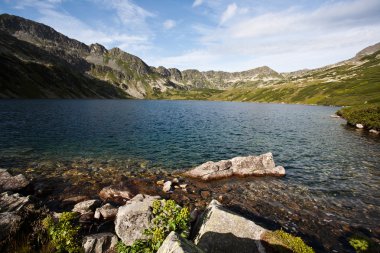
367,115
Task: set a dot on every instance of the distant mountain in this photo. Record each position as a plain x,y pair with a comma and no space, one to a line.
38,62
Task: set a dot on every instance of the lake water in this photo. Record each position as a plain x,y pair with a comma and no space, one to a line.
319,153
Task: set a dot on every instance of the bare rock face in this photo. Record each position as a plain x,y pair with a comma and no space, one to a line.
176,244
134,217
13,202
12,183
262,165
99,243
223,231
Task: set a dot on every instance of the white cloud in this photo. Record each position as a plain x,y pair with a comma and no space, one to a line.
197,3
228,13
169,24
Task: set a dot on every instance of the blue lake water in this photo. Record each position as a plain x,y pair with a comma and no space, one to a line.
319,153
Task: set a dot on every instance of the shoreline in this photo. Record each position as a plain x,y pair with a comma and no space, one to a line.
269,201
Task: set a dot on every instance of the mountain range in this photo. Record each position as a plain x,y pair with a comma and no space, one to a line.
38,62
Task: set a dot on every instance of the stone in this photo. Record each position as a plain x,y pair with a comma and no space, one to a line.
175,180
10,223
167,186
99,243
12,183
360,126
220,230
183,186
205,194
262,165
134,217
13,202
177,244
160,182
373,131
107,211
86,206
334,116
116,194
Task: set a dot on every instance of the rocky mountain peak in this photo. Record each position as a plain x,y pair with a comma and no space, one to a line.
97,49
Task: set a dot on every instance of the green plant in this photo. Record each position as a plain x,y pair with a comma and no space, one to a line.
167,217
63,233
283,242
359,244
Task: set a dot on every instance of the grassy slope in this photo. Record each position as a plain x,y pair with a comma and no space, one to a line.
352,85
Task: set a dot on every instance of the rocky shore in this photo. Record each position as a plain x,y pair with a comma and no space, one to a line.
103,196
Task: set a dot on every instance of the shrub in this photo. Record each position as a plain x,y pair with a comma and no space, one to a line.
360,244
368,115
63,233
167,217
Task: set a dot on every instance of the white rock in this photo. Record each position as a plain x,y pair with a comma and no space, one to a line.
176,244
360,126
224,231
374,131
99,243
167,186
86,206
134,217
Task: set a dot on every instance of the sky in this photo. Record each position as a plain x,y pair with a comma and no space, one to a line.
286,35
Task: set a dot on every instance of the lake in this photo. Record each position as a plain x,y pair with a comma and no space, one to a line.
321,154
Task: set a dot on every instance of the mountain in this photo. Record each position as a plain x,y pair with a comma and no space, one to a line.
39,62
113,69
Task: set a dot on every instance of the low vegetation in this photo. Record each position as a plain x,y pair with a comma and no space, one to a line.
63,234
284,242
367,115
167,217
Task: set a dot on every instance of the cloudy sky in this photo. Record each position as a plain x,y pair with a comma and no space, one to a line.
285,35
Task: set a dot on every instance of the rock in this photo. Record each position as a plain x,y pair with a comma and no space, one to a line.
175,180
12,183
360,126
262,165
133,218
176,244
183,186
205,194
86,206
160,182
222,231
194,215
10,223
13,202
75,199
334,116
374,131
99,243
107,211
167,186
116,194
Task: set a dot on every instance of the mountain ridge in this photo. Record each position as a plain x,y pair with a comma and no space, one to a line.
128,75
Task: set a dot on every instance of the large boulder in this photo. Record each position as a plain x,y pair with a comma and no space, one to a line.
12,183
86,206
262,165
221,230
177,244
99,243
134,217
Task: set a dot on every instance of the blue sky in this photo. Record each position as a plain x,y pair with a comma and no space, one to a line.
286,35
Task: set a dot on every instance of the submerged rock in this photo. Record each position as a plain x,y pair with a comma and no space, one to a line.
134,217
223,231
12,183
176,244
116,194
86,206
99,243
262,165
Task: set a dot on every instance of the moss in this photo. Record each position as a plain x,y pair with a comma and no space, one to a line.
363,244
283,242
